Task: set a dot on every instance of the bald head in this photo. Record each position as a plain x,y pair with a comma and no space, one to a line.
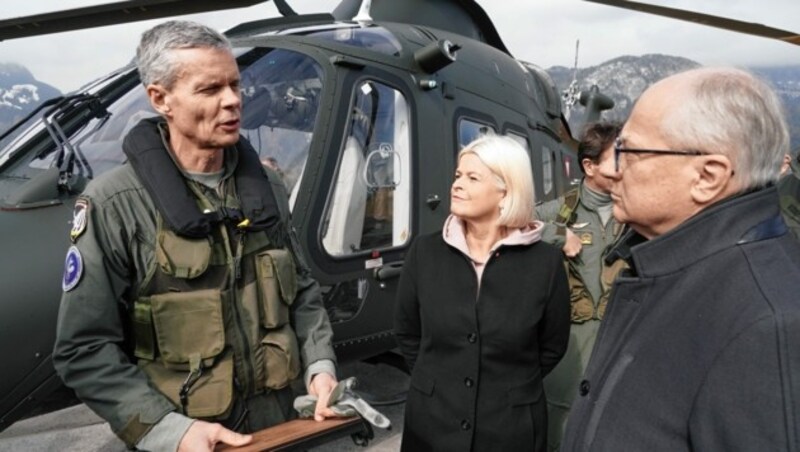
725,111
692,140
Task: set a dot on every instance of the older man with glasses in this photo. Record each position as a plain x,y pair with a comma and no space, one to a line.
698,349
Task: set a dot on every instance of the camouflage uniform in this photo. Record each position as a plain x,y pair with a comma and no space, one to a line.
590,283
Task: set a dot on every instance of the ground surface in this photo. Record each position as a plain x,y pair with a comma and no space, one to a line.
77,429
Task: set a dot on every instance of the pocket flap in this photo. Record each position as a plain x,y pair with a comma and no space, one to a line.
182,257
423,382
178,316
526,393
284,271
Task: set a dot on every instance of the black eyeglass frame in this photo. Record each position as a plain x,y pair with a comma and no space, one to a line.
618,149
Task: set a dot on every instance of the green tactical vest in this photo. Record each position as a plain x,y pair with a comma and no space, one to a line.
213,308
582,306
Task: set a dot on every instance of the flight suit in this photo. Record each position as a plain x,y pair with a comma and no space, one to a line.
789,191
590,283
156,323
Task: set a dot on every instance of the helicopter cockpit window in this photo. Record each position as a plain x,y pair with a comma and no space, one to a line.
470,130
369,206
281,91
377,39
280,95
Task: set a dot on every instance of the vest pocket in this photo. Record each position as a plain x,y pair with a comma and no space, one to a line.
281,357
277,286
182,257
210,396
178,317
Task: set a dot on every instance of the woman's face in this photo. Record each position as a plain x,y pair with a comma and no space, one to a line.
475,194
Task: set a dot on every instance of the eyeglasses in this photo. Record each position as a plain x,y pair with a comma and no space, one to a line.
618,149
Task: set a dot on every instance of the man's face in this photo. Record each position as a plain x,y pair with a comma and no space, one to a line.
651,192
596,173
203,107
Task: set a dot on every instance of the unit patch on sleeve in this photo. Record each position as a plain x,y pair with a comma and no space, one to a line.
79,219
73,269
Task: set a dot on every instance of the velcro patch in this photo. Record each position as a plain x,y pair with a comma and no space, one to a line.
79,218
73,269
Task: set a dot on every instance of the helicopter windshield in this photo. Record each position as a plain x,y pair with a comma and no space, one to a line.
375,38
280,94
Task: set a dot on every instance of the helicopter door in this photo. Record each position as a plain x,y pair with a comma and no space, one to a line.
368,215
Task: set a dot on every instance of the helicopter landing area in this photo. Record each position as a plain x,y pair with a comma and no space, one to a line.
77,428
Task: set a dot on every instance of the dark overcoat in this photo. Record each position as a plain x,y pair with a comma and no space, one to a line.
700,350
478,354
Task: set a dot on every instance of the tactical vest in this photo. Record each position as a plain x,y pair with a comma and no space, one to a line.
582,306
216,306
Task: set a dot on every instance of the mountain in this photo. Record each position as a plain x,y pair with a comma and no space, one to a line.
20,93
626,77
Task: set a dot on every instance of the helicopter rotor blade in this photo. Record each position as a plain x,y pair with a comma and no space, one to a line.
110,14
707,19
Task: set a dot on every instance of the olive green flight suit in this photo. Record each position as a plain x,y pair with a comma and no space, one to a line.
198,314
590,283
789,191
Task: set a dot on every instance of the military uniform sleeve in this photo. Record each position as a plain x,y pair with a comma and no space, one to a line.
555,323
407,322
548,213
741,407
310,320
88,352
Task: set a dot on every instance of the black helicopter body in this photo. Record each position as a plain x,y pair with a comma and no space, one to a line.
363,119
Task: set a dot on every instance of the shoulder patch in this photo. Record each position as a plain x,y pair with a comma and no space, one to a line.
79,219
73,269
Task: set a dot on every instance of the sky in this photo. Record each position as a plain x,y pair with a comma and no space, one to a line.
542,32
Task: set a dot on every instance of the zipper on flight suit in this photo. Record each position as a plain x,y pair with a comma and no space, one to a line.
247,380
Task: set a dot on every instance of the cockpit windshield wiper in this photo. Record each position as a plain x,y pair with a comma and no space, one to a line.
68,154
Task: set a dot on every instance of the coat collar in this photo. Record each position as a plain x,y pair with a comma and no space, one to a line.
735,220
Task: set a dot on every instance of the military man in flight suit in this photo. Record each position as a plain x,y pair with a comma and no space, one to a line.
789,191
187,308
582,224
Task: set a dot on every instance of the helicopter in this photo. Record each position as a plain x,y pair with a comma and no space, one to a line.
362,111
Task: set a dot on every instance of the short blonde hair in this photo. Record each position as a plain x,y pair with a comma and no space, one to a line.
510,164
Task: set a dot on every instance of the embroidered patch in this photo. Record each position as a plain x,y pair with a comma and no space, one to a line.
79,219
73,269
586,238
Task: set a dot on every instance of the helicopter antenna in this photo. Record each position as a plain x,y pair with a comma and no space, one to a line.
572,94
363,12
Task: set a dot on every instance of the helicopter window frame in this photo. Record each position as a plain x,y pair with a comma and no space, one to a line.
401,213
518,134
548,170
292,176
475,118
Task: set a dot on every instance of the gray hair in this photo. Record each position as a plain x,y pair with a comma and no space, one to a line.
734,113
154,57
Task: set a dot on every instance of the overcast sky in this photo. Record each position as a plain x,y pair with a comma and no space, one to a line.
539,31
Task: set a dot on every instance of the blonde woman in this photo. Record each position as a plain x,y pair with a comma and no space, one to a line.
482,312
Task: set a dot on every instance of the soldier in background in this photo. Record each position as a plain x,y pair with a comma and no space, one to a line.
789,191
581,222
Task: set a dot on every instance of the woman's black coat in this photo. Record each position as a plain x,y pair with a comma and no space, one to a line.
478,355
